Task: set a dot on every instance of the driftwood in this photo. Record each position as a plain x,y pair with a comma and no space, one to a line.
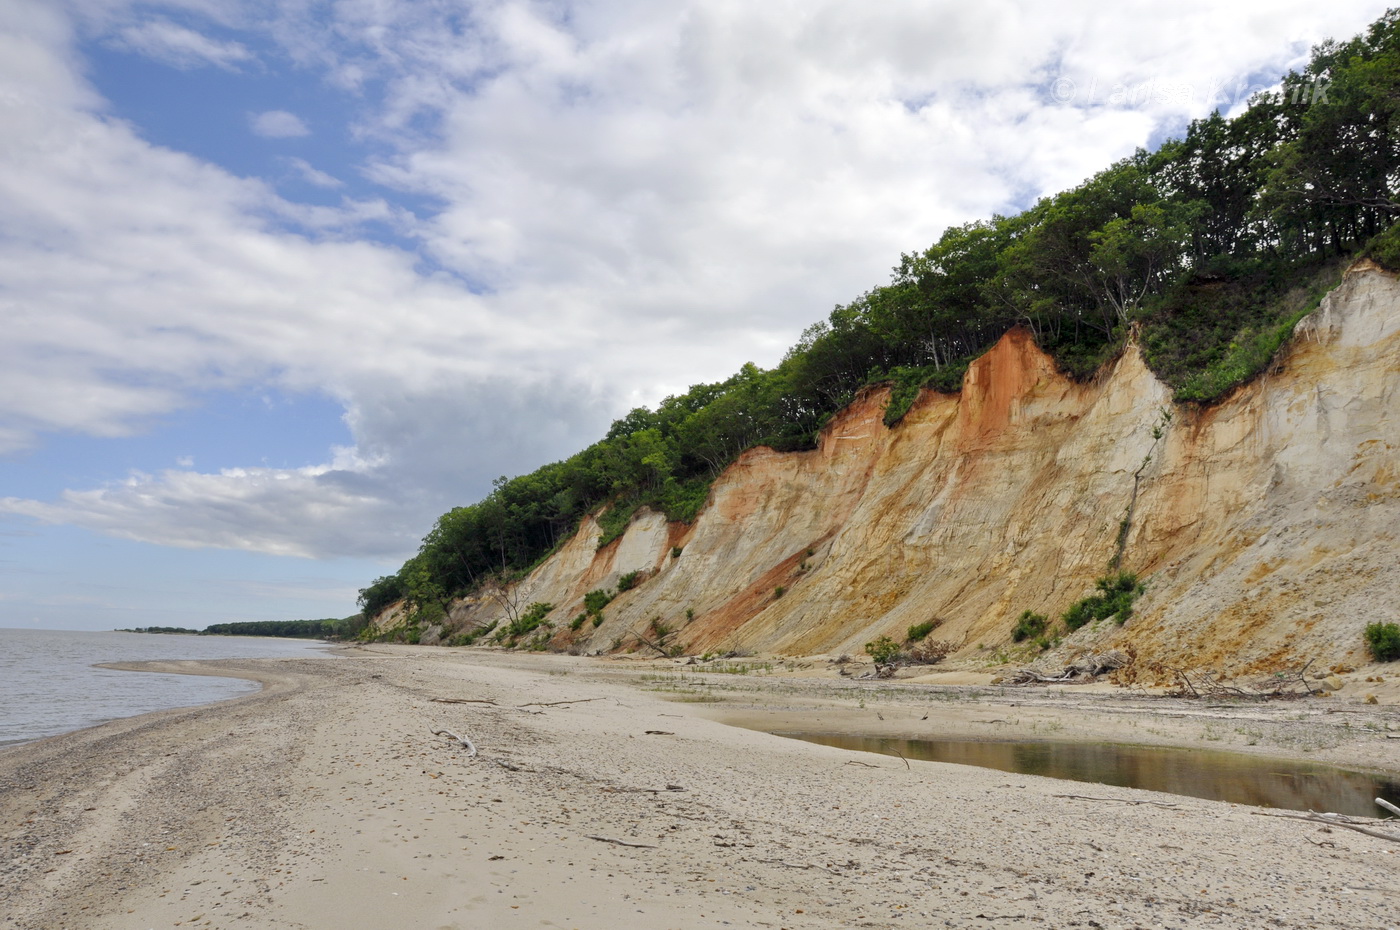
1388,806
557,703
1083,669
608,839
466,743
1208,684
660,649
461,701
795,865
1134,803
1332,820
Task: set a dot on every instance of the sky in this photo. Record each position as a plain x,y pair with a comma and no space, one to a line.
281,281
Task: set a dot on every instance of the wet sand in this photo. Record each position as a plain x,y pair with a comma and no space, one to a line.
609,793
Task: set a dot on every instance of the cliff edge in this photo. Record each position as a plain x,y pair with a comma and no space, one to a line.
1264,526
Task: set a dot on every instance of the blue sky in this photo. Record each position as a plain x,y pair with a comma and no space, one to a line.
282,280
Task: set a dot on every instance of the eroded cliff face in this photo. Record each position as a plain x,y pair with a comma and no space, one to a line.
1265,526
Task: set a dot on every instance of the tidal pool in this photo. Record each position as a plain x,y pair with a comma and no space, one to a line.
1219,776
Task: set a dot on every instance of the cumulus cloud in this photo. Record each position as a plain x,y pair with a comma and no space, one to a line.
278,124
627,197
180,47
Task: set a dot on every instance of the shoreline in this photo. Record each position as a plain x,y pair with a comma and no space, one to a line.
618,794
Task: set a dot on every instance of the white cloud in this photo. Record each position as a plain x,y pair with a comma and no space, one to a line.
640,195
278,124
182,48
312,175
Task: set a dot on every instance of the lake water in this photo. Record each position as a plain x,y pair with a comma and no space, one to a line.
1219,776
48,684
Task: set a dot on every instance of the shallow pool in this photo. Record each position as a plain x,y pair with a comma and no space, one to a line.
1219,776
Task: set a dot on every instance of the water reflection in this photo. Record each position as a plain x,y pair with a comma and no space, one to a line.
1219,776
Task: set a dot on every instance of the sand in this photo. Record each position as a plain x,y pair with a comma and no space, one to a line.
610,793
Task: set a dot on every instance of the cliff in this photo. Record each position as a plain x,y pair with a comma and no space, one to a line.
1265,526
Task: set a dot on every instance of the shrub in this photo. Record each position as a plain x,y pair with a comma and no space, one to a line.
628,581
919,630
594,601
676,551
529,621
577,622
598,619
883,650
1078,614
1115,599
614,521
1030,624
779,591
1384,641
1384,249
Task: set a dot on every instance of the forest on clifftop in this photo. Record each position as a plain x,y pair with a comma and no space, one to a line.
1210,249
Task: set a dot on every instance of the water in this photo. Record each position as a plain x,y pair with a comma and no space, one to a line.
48,685
1219,776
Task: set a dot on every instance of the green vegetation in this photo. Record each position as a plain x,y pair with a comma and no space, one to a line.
1115,599
628,581
1030,625
1212,247
531,620
920,630
779,591
346,628
594,601
1383,639
883,650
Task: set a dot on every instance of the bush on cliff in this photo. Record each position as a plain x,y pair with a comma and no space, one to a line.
1383,639
1115,599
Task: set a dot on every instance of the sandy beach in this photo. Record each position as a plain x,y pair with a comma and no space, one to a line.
615,793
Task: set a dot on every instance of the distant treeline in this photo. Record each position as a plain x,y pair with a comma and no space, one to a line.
346,628
1211,248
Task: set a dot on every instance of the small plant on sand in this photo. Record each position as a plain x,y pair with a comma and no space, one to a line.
883,650
1383,639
